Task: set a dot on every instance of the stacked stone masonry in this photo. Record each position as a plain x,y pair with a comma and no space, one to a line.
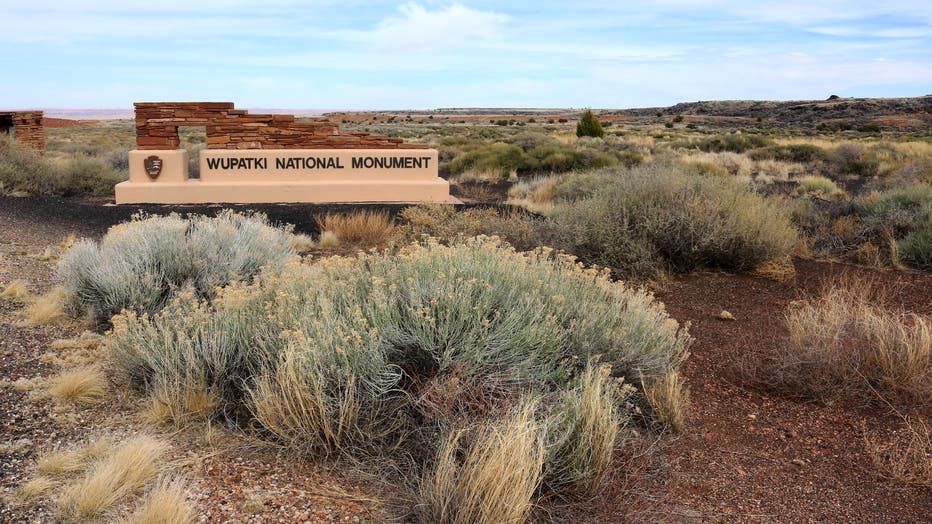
27,128
228,128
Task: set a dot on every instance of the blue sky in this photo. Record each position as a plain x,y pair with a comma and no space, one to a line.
429,54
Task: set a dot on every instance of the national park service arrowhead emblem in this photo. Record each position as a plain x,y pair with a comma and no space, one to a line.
153,166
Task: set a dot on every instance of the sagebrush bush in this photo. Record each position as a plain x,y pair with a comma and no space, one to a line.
140,265
667,217
902,210
317,354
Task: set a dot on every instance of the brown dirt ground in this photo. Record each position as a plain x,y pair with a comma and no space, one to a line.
65,122
734,463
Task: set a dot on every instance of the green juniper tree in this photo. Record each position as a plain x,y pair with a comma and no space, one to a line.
589,125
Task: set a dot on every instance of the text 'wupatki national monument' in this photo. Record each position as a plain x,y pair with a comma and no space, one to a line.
255,158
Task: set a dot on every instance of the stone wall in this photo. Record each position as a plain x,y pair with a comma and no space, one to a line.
228,128
27,128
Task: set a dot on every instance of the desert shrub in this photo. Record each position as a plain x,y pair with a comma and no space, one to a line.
843,345
819,185
540,194
915,248
902,210
451,225
496,159
721,164
318,354
802,153
858,160
26,171
734,142
589,125
667,217
140,265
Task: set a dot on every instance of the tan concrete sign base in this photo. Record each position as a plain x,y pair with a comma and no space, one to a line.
284,175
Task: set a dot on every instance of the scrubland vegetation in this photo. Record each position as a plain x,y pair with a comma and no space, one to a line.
500,355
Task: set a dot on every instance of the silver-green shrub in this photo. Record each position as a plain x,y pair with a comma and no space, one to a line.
667,217
319,355
140,265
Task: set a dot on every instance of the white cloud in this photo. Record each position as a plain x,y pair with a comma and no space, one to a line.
418,29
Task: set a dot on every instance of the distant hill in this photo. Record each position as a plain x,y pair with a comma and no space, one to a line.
885,112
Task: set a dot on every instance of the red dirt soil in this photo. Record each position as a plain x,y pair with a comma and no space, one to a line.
749,456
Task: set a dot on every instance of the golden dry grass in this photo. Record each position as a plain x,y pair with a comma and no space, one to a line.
84,350
131,465
165,503
496,478
179,406
779,269
668,398
842,344
84,385
328,239
302,243
34,488
17,290
361,228
69,462
46,309
582,443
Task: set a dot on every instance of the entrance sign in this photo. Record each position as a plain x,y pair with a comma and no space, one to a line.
272,158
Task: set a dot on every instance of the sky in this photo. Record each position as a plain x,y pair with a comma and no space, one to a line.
432,54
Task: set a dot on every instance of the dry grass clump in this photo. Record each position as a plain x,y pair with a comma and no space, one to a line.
779,269
582,432
667,399
302,243
841,344
492,480
86,349
328,240
47,308
17,290
34,488
84,386
361,228
820,186
69,462
907,458
179,404
131,465
166,503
